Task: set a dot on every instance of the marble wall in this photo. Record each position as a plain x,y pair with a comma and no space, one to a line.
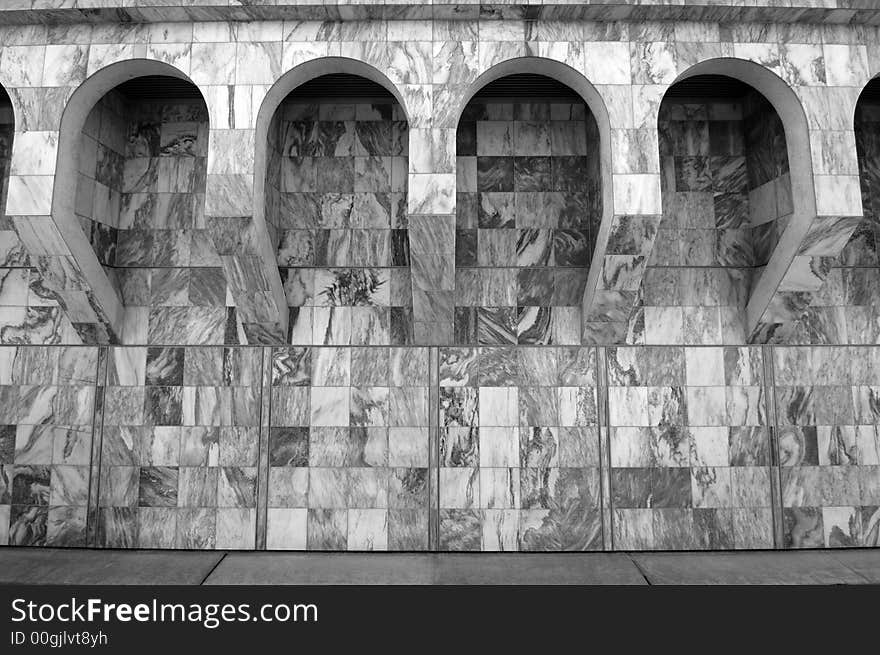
179,448
14,270
725,182
827,413
29,312
336,194
141,200
543,448
480,355
433,65
768,174
519,449
101,159
348,449
846,309
689,449
48,399
528,200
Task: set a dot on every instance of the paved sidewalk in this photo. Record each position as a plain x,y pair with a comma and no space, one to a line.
61,566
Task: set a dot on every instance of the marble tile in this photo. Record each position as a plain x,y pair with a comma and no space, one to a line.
188,457
341,175
46,443
689,414
357,461
675,449
510,473
827,480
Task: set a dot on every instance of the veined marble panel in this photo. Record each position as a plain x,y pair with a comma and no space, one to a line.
527,209
827,418
519,449
692,444
690,449
179,448
726,193
29,309
348,449
47,405
336,193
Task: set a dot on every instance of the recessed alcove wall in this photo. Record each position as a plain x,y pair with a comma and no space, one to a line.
14,271
528,208
348,427
847,309
29,312
726,200
829,446
140,199
336,190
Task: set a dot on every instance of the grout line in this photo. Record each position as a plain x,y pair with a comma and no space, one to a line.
93,490
604,432
265,412
434,449
97,449
213,568
777,507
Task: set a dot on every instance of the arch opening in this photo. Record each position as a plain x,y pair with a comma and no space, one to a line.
7,132
16,275
139,156
858,266
727,197
528,210
334,193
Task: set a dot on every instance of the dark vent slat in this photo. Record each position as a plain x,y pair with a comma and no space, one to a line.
526,85
153,87
158,87
340,85
871,92
708,86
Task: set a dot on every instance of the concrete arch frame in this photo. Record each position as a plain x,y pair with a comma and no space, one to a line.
79,105
788,106
274,96
574,80
287,84
16,126
853,114
577,82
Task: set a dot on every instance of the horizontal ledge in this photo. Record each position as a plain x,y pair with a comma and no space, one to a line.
18,12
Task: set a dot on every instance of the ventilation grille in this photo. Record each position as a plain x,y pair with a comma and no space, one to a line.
159,87
352,86
708,86
340,85
526,85
872,92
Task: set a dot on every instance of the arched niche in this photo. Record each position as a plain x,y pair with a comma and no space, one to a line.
331,170
132,167
857,269
533,191
15,274
735,174
862,247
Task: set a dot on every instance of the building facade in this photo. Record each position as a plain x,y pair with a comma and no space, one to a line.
440,276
